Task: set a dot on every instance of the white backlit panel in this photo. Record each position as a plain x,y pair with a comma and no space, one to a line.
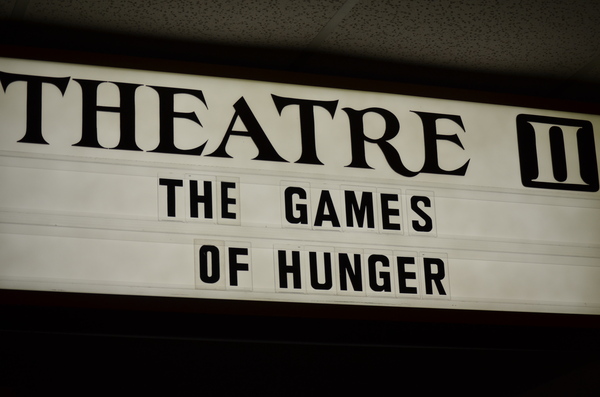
136,182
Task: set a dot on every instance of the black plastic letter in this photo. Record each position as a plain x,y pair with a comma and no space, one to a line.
302,209
168,114
254,131
90,109
358,139
214,274
307,124
33,131
430,135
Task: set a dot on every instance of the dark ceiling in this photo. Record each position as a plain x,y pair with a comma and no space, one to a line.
534,47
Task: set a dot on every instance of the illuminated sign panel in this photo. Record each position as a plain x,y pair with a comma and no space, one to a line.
137,182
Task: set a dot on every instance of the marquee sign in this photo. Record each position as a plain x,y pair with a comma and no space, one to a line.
135,182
